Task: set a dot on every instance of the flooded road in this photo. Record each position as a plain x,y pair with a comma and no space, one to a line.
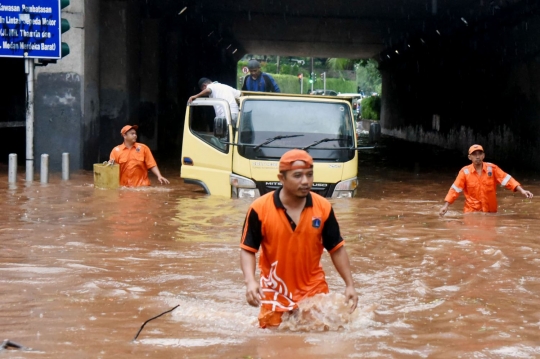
81,269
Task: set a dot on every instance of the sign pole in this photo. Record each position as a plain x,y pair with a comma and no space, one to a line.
29,70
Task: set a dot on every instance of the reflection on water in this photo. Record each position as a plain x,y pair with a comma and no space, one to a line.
209,218
81,269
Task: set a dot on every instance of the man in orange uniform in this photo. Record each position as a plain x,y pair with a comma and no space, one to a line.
135,159
292,226
478,182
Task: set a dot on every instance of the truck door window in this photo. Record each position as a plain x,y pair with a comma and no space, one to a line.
201,124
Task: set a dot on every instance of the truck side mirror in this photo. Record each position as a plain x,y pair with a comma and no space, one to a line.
221,127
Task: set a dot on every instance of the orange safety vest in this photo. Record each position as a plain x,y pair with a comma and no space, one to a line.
480,190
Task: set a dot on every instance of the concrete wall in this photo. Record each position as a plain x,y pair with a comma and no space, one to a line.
478,87
149,95
118,72
66,97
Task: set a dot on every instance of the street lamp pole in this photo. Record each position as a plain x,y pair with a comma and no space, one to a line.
312,75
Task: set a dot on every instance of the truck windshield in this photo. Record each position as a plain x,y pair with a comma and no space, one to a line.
296,124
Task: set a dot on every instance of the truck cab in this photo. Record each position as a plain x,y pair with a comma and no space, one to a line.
239,158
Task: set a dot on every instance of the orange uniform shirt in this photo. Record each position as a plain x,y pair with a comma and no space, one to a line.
480,190
290,254
134,164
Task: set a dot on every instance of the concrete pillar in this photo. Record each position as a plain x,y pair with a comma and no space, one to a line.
149,95
119,71
172,108
66,93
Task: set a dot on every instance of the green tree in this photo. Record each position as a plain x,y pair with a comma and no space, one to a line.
368,76
339,64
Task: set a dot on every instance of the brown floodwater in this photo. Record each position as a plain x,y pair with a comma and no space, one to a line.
81,269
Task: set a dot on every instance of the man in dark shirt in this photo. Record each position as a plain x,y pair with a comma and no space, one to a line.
258,80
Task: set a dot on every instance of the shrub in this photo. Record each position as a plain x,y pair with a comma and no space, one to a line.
285,69
270,68
371,108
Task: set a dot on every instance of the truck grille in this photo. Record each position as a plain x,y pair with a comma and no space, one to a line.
322,189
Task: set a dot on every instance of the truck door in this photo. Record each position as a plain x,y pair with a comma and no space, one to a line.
206,159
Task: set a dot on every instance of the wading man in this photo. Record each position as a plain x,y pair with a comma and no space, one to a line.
291,226
478,182
135,160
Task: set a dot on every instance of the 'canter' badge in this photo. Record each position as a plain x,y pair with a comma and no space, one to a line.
315,222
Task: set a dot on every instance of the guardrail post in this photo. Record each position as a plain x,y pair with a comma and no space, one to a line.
65,166
44,178
12,172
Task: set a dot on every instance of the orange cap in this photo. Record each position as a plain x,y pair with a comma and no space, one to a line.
475,148
289,157
126,128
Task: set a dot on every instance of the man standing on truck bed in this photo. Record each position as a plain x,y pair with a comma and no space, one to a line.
258,80
217,90
135,160
292,226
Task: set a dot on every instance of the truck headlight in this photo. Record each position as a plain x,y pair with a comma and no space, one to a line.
243,187
346,189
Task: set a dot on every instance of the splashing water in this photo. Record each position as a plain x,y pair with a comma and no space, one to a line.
322,312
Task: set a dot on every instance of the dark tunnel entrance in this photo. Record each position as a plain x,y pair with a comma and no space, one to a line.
12,103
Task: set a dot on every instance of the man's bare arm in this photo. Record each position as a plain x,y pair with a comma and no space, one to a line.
524,192
205,92
161,179
343,266
253,290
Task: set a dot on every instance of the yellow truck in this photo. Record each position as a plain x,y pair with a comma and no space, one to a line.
239,157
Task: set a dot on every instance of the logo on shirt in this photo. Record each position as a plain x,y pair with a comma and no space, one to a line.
138,149
275,291
489,174
316,222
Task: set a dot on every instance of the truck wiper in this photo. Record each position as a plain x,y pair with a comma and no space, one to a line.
273,139
321,141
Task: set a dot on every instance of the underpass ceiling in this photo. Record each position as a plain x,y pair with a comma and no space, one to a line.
324,28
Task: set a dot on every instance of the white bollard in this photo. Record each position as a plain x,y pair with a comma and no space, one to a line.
12,172
65,166
44,168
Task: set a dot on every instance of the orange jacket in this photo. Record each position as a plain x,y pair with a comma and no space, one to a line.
134,164
480,190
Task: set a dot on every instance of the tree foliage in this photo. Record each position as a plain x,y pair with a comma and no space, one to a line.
371,108
339,64
368,76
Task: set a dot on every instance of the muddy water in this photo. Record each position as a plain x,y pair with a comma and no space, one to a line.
81,269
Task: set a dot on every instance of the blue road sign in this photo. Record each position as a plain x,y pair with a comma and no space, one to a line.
31,26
